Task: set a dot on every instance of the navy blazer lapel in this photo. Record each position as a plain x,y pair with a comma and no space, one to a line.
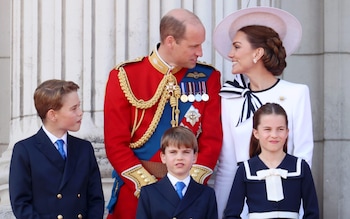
193,191
44,144
71,160
167,190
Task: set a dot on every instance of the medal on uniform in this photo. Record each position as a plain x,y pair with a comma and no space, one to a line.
198,95
205,96
192,115
183,97
191,97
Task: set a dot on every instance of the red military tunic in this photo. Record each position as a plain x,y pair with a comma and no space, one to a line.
134,121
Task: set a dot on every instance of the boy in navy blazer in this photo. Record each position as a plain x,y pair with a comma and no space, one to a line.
54,180
179,149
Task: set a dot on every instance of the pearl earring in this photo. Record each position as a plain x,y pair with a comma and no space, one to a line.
254,60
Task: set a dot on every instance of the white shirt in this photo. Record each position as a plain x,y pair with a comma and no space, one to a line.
53,139
174,180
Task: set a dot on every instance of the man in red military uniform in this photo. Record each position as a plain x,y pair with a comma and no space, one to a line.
147,96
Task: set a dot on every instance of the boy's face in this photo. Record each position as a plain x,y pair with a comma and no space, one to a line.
70,115
178,160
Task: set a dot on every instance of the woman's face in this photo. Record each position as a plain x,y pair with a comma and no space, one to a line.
241,54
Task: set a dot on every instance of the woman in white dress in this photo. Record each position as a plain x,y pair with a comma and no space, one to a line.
257,41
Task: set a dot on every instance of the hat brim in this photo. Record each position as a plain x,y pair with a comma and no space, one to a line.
285,24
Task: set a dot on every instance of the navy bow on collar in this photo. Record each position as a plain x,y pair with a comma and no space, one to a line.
240,88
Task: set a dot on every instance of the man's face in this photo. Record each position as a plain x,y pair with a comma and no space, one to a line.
187,50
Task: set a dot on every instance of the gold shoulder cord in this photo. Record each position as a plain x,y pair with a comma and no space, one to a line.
167,89
139,103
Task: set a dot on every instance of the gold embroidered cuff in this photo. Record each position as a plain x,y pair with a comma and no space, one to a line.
200,173
139,176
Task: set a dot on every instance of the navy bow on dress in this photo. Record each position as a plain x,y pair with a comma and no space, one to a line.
240,88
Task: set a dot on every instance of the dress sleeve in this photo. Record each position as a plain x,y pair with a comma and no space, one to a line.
302,127
227,165
237,195
310,203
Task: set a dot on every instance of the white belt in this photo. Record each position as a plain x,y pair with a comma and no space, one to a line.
274,214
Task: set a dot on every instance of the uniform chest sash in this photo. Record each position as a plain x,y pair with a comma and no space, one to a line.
200,73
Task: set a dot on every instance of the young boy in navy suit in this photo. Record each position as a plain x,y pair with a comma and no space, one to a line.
179,149
49,179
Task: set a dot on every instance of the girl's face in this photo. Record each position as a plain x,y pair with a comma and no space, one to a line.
178,160
241,54
272,133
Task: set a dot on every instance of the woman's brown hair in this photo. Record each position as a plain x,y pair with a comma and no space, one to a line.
274,57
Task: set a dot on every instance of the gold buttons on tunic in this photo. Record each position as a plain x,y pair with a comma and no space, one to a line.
80,216
59,196
59,216
78,195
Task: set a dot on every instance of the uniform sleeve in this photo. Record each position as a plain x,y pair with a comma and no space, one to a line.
309,196
95,193
21,194
210,140
227,164
302,127
117,133
237,195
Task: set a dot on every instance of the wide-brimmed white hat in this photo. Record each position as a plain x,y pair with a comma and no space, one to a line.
285,24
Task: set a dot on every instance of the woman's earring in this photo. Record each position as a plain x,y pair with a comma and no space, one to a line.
254,60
